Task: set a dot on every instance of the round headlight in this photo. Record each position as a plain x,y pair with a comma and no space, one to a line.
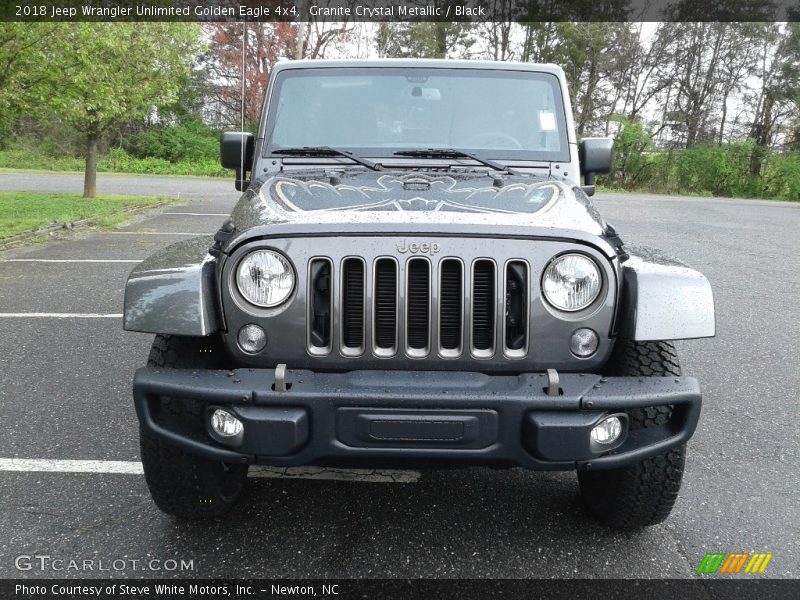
571,282
265,278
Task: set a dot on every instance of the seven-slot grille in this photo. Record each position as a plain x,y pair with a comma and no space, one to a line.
418,307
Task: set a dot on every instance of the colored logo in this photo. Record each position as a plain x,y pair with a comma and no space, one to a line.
734,562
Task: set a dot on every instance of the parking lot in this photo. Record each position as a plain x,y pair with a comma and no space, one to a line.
66,367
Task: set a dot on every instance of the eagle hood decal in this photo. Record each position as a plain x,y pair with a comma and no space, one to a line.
402,197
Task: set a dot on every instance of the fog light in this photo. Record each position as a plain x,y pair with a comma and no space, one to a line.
225,424
607,431
583,342
252,339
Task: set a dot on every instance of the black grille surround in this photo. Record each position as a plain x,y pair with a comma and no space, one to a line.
451,306
385,322
418,302
483,307
353,304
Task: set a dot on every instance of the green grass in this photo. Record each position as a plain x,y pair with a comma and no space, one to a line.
617,189
28,211
117,161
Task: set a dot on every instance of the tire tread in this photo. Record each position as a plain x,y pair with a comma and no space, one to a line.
183,484
644,493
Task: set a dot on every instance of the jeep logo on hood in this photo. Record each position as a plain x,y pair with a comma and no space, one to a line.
418,247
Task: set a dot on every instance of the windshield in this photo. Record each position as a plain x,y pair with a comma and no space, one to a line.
379,111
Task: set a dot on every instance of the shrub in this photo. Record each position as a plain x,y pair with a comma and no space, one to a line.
720,170
30,159
781,178
120,161
633,145
189,140
703,169
117,161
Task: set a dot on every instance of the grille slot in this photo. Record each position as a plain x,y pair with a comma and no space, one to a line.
319,309
516,308
483,307
353,303
418,305
451,298
385,313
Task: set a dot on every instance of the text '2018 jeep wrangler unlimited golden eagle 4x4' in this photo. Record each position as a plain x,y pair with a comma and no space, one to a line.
415,276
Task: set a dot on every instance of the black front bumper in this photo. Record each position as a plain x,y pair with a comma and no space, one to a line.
426,416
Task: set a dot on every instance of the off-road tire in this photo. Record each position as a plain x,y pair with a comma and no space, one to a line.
183,484
644,493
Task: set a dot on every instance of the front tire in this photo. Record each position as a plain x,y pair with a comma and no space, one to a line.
183,484
641,494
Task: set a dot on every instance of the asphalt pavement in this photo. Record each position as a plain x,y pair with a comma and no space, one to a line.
65,395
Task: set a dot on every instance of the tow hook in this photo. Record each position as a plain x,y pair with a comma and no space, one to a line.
280,379
553,387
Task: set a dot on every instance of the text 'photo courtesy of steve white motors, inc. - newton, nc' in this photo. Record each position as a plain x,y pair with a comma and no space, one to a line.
255,12
191,590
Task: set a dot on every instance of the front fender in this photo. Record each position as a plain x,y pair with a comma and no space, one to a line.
173,291
663,299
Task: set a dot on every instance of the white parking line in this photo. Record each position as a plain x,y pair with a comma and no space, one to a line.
38,315
195,233
188,214
130,467
70,466
71,260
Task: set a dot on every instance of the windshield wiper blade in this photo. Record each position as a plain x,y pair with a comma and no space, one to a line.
453,153
328,151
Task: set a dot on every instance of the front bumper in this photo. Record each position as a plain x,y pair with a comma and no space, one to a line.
408,416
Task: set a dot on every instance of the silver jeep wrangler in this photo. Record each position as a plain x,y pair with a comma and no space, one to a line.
415,276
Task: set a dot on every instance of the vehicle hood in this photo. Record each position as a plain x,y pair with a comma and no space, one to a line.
403,197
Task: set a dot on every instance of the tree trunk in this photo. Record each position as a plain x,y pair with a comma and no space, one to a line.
723,118
440,33
90,174
303,28
763,136
692,127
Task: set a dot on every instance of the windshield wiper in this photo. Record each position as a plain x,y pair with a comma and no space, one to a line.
453,153
328,151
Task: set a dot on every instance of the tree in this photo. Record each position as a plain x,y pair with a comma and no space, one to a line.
738,64
226,62
266,43
317,36
635,80
694,69
778,97
498,32
22,49
706,61
593,55
104,74
424,40
592,68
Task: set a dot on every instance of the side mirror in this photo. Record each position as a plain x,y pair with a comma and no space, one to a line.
596,156
236,152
